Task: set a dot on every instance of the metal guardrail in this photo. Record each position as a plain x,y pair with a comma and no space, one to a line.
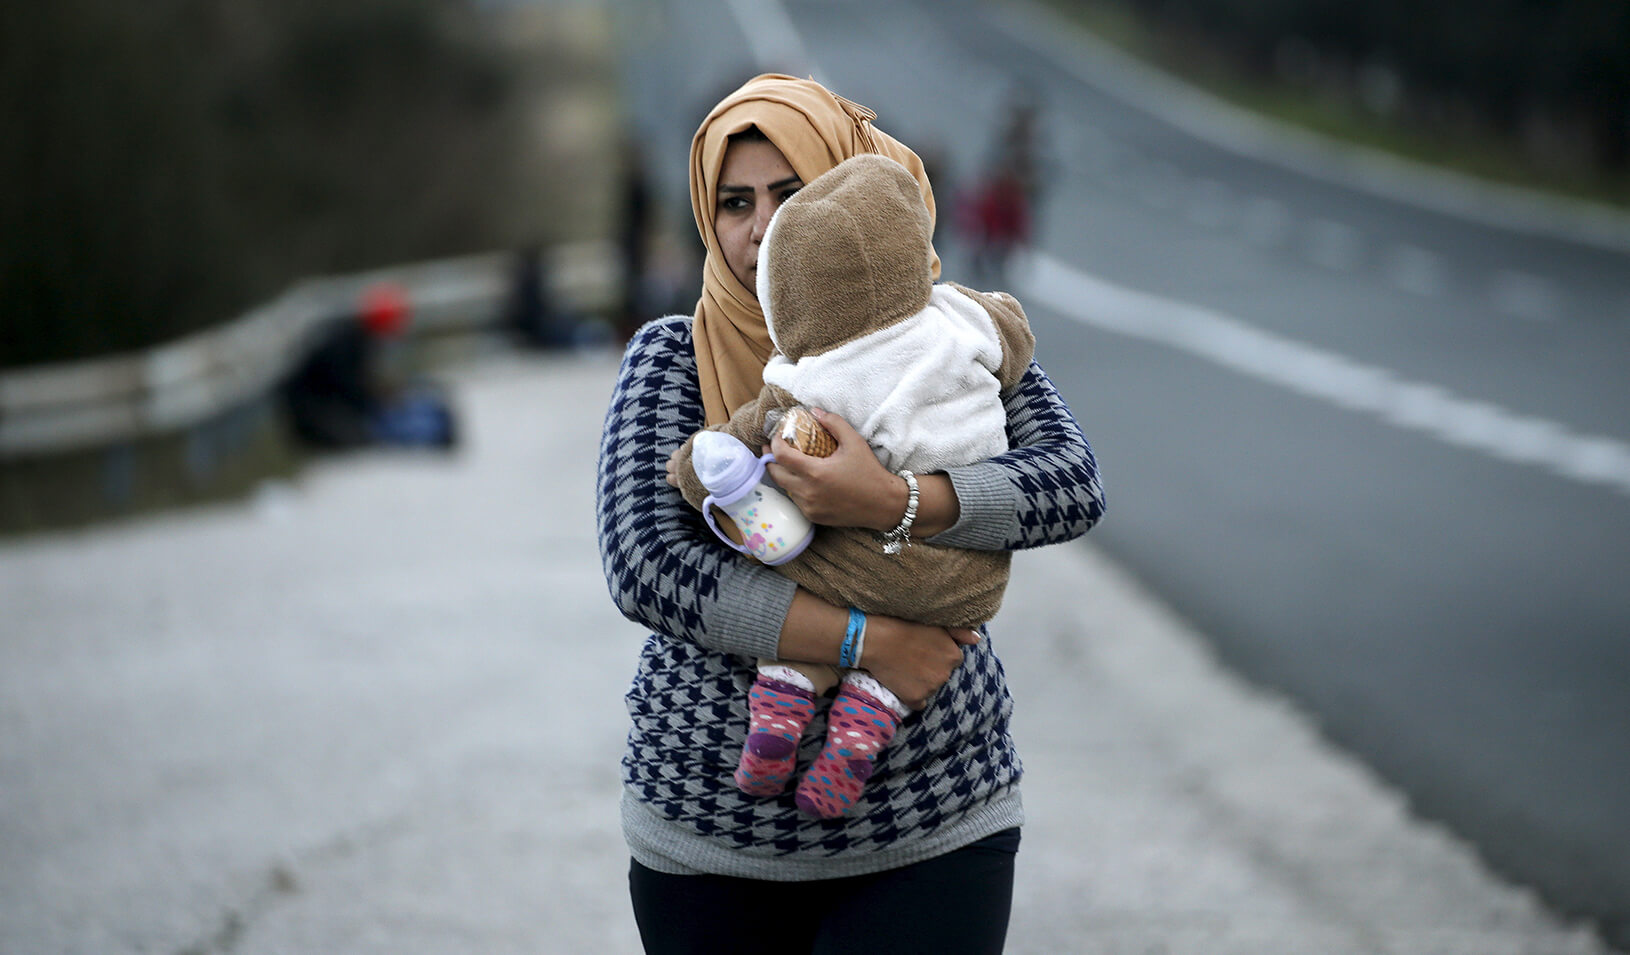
75,405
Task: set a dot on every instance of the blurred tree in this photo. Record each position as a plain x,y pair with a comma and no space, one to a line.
169,162
1551,76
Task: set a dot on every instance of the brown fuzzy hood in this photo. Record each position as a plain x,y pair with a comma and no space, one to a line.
850,253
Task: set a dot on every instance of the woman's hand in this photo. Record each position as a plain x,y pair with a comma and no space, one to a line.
849,488
913,660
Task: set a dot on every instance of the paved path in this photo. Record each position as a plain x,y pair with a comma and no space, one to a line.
379,710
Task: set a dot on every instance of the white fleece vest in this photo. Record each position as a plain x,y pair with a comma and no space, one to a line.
923,392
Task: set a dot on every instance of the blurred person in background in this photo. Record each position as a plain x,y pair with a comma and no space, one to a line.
996,216
351,390
926,861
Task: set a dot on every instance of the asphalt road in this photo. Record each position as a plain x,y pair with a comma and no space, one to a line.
1368,433
378,709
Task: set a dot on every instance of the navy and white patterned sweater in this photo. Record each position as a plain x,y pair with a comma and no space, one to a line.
949,777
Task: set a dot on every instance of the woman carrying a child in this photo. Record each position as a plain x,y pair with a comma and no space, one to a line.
925,861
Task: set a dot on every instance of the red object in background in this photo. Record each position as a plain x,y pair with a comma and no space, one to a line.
384,310
1003,211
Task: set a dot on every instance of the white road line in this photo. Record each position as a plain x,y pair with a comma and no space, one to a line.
1316,373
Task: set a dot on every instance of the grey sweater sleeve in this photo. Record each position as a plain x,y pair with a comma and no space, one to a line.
1045,490
664,567
666,570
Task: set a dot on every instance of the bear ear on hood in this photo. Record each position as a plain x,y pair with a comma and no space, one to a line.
847,255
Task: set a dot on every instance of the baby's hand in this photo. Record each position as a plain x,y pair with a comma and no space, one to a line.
671,469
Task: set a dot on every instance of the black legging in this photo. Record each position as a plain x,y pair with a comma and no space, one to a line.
953,904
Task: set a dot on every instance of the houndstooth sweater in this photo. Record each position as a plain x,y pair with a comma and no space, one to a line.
949,777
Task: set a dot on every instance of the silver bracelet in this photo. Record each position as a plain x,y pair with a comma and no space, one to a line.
898,539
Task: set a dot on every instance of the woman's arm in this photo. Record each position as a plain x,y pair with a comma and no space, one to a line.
913,660
1044,491
666,570
663,566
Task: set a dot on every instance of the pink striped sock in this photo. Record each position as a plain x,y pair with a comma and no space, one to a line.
778,714
858,727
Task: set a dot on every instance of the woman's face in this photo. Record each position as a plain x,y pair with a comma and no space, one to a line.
753,182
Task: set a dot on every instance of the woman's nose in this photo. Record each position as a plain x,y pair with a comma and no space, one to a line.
761,223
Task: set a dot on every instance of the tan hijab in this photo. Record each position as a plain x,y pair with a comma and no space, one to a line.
815,129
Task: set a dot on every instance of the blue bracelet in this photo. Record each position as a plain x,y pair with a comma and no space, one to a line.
849,655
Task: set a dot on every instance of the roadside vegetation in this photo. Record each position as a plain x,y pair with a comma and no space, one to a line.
1523,93
171,162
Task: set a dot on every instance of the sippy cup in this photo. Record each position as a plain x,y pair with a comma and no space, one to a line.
772,527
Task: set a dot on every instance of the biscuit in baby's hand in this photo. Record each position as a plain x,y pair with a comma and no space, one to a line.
800,429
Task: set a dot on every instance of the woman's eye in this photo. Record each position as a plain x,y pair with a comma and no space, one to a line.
733,203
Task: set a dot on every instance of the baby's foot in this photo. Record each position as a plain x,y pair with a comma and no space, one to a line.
779,713
858,728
